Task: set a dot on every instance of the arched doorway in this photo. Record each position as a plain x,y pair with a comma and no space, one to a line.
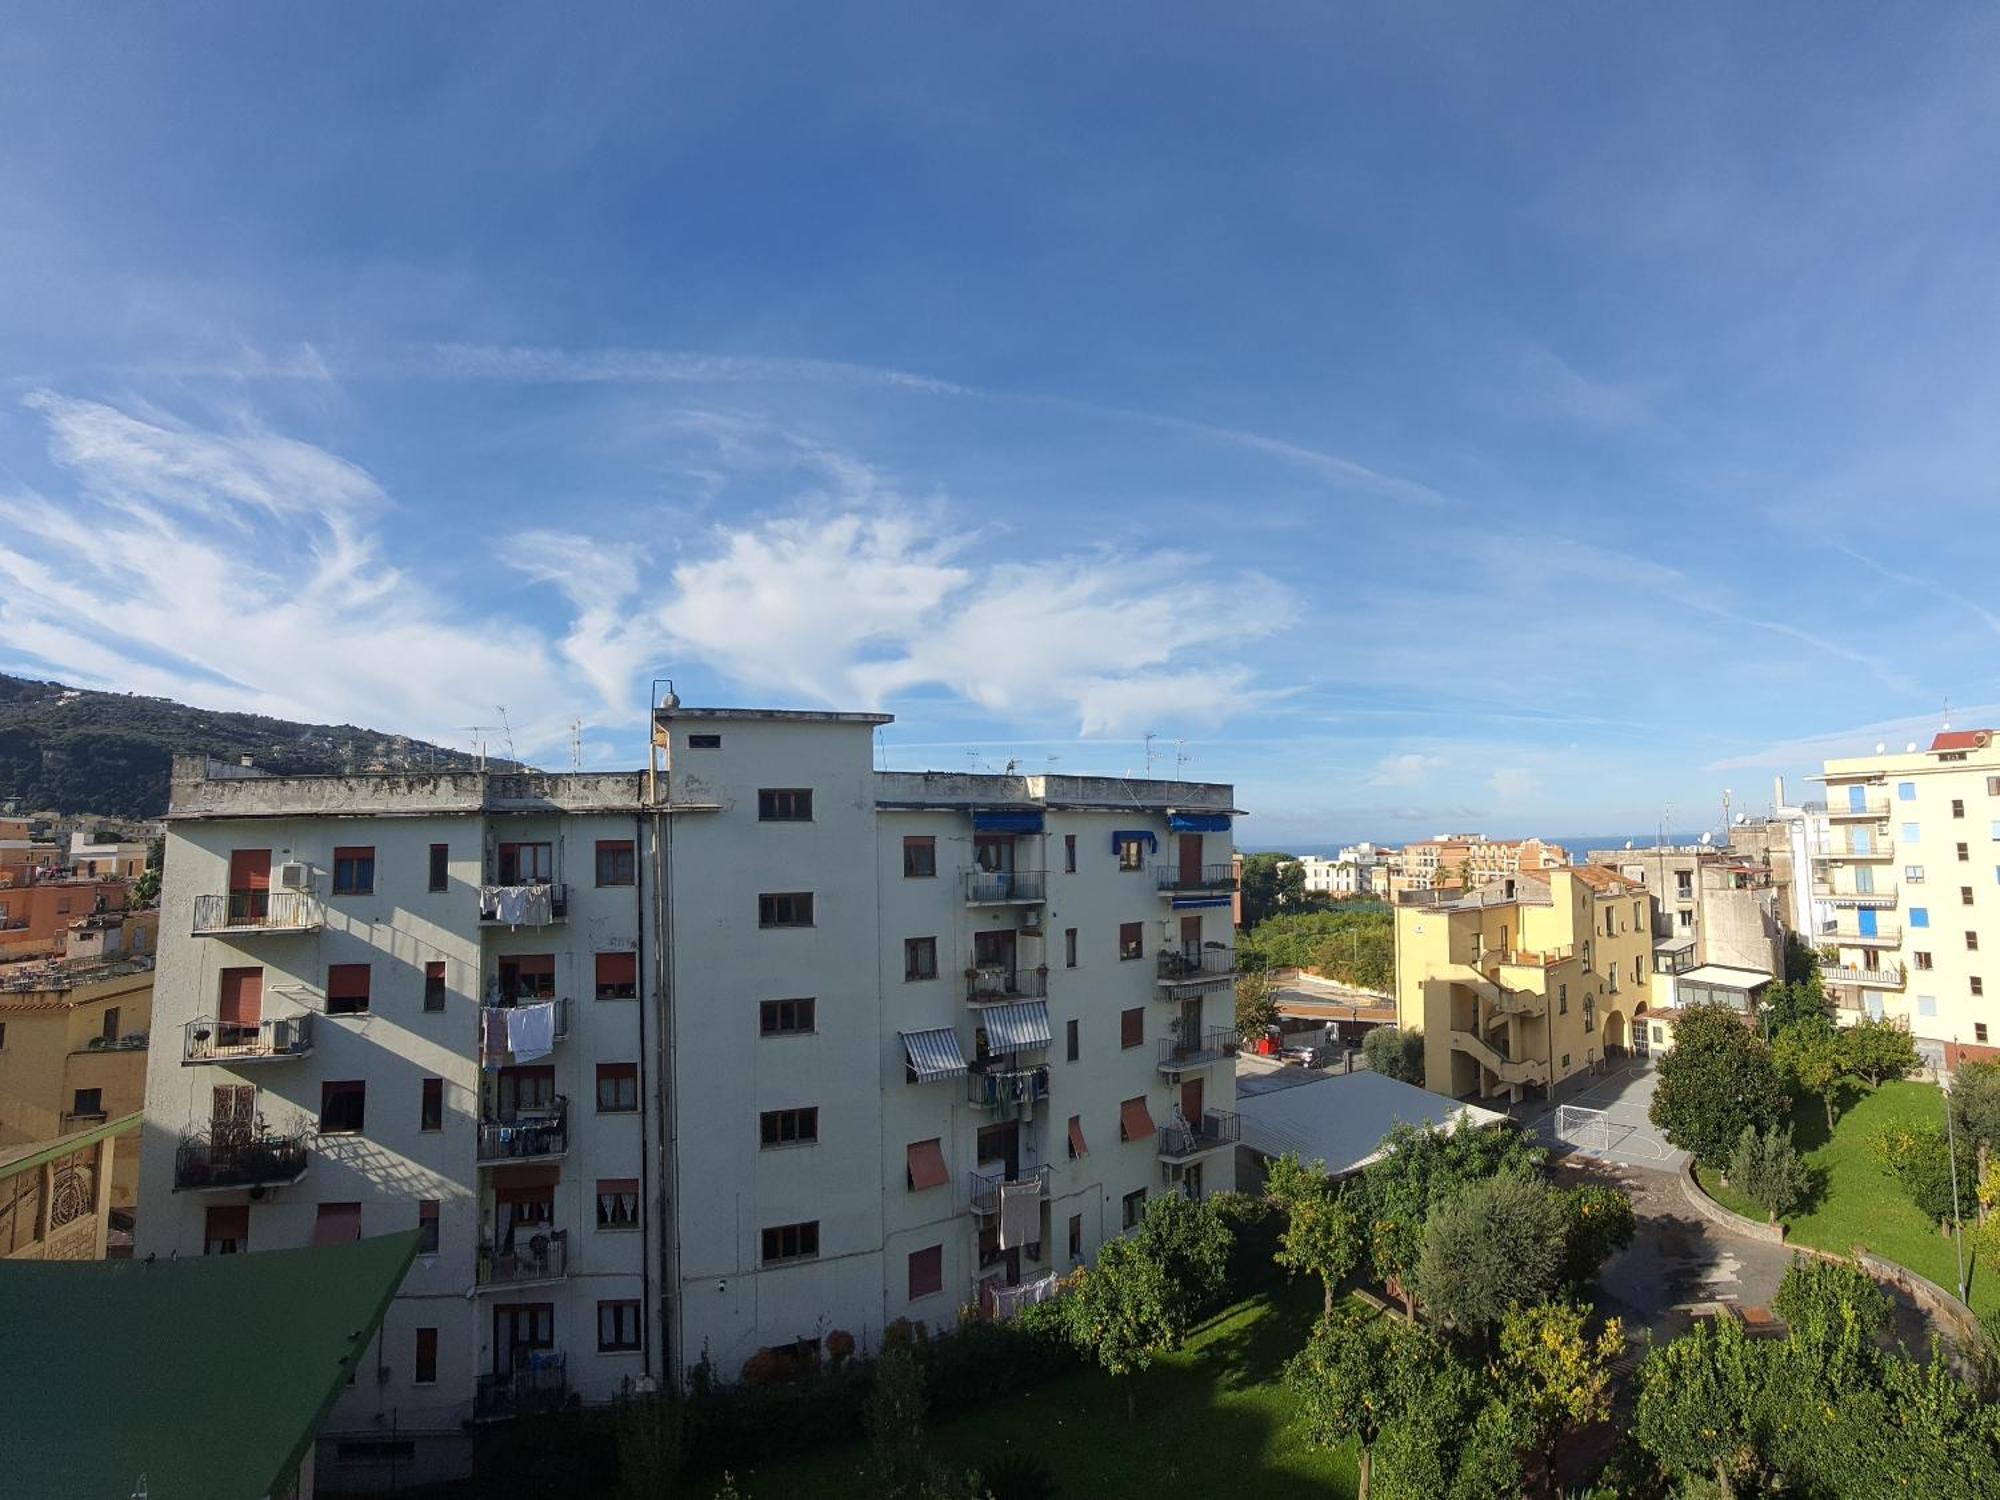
1615,1039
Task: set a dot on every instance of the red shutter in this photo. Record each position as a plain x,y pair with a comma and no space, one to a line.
242,997
617,969
337,1223
347,981
250,869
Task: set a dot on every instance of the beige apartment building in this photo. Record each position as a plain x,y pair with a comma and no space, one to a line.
1524,981
1468,860
1912,872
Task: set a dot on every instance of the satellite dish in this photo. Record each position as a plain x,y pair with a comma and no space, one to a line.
1742,818
1911,748
1628,843
1880,748
1706,839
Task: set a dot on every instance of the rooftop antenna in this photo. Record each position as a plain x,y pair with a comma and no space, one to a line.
1150,737
575,745
1180,758
1946,724
479,733
1013,764
506,730
972,761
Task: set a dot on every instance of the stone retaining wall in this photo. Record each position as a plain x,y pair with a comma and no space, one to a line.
1735,1223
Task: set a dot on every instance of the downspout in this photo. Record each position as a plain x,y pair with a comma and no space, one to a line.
666,1201
639,965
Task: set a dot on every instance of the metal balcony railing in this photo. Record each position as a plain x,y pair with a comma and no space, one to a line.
241,912
984,985
537,904
1195,877
1877,849
528,1133
1872,809
1004,887
493,1039
255,1158
1183,1138
207,1040
1003,1088
540,1386
1885,935
1886,977
1881,898
537,1255
82,1119
1186,1047
986,1186
1193,970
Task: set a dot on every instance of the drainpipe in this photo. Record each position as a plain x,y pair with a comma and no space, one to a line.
645,1102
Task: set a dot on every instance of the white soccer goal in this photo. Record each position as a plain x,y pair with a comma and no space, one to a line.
1583,1127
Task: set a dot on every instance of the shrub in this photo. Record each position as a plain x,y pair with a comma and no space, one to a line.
1917,1157
1491,1246
1395,1053
1769,1172
1718,1079
1016,1476
1600,1223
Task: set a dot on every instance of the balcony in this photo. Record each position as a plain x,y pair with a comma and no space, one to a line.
1191,880
1182,973
531,1135
496,1037
82,1119
540,1386
1004,887
1878,849
1884,936
1007,1088
996,986
986,1186
249,1159
1186,1048
1183,1141
536,905
1879,899
207,1040
1871,810
244,913
1886,977
538,1255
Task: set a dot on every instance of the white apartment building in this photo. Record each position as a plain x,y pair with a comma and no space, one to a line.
830,1047
1358,870
1912,872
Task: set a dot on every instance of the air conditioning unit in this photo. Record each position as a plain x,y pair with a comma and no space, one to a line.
1031,919
295,875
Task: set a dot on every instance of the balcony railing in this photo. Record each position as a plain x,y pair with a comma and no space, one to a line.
82,1119
537,1255
207,1040
1186,1047
255,1158
1004,887
987,986
1182,1139
1886,977
241,912
495,1040
1190,971
1008,1087
540,1386
1871,810
528,1134
1880,898
986,1186
1884,936
1175,878
1877,849
536,904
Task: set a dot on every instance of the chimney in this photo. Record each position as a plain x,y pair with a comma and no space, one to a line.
245,761
1777,792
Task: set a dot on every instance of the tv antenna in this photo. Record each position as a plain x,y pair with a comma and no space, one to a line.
1180,758
1150,737
479,733
575,745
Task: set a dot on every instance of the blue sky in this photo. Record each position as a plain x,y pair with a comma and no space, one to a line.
1520,417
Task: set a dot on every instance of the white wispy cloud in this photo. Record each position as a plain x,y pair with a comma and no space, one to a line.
1411,768
1546,385
1923,586
1860,739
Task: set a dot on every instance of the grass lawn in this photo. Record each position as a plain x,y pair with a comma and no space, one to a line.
1863,1205
1214,1419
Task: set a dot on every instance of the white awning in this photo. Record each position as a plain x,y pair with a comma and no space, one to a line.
934,1055
1021,1027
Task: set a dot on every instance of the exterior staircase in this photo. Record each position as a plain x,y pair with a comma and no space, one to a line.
1507,1069
1507,1002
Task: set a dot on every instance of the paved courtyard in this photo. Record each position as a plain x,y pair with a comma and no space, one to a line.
1615,1129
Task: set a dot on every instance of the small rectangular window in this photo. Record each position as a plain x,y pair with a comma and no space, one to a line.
618,976
343,1106
617,862
783,1242
1914,874
704,742
434,984
1958,807
1971,941
1920,916
617,1203
617,1327
1070,1038
108,1029
1133,1208
336,1223
1979,1031
787,1127
1911,833
785,805
1077,1149
1069,853
1964,851
1069,947
1131,854
432,1115
785,1017
87,1102
354,870
1076,1236
1927,1005
426,1372
1923,960
1562,999
785,909
440,867
926,1272
1965,895
1132,1027
919,958
427,1226
919,858
226,1230
1978,985
617,1088
1906,791
347,989
1131,940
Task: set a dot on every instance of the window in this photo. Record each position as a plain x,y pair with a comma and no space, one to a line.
704,742
617,976
1927,1005
1135,1121
1562,999
343,1106
1920,916
346,989
1979,1031
1923,960
227,1230
1965,895
785,805
919,858
788,1127
1684,884
785,1242
785,909
1906,791
1685,919
1911,833
337,1223
1978,986
1069,854
617,863
1131,940
528,976
926,1272
1589,1014
1958,807
87,1102
426,1372
1069,947
440,866
1131,853
1565,1062
1964,851
919,958
427,1226
617,1203
617,1088
617,1327
109,1030
1132,1027
1133,1208
1914,874
1070,1040
432,1117
1077,1149
3,1036
1971,941
526,864
434,985
924,1166
354,870
1076,1236
784,1017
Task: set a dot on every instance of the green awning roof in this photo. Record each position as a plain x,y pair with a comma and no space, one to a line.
208,1375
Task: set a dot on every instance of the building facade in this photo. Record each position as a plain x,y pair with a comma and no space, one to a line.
711,1062
1709,906
1468,860
1524,982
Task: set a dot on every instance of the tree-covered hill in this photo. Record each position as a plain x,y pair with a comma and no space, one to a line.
74,750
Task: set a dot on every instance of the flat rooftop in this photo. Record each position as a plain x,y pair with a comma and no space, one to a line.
1339,1120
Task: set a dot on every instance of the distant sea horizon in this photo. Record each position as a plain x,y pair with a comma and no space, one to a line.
1577,845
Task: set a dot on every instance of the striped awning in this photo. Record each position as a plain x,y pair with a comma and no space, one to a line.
1189,822
934,1055
1007,820
1192,903
1020,1027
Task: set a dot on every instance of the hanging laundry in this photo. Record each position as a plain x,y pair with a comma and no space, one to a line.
1020,1213
493,1035
531,1031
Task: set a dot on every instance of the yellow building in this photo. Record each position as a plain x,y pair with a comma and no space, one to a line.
1523,981
73,1053
55,1200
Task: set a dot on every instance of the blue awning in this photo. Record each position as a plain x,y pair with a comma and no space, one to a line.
1136,835
1198,822
1007,822
1196,903
934,1055
1022,1027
